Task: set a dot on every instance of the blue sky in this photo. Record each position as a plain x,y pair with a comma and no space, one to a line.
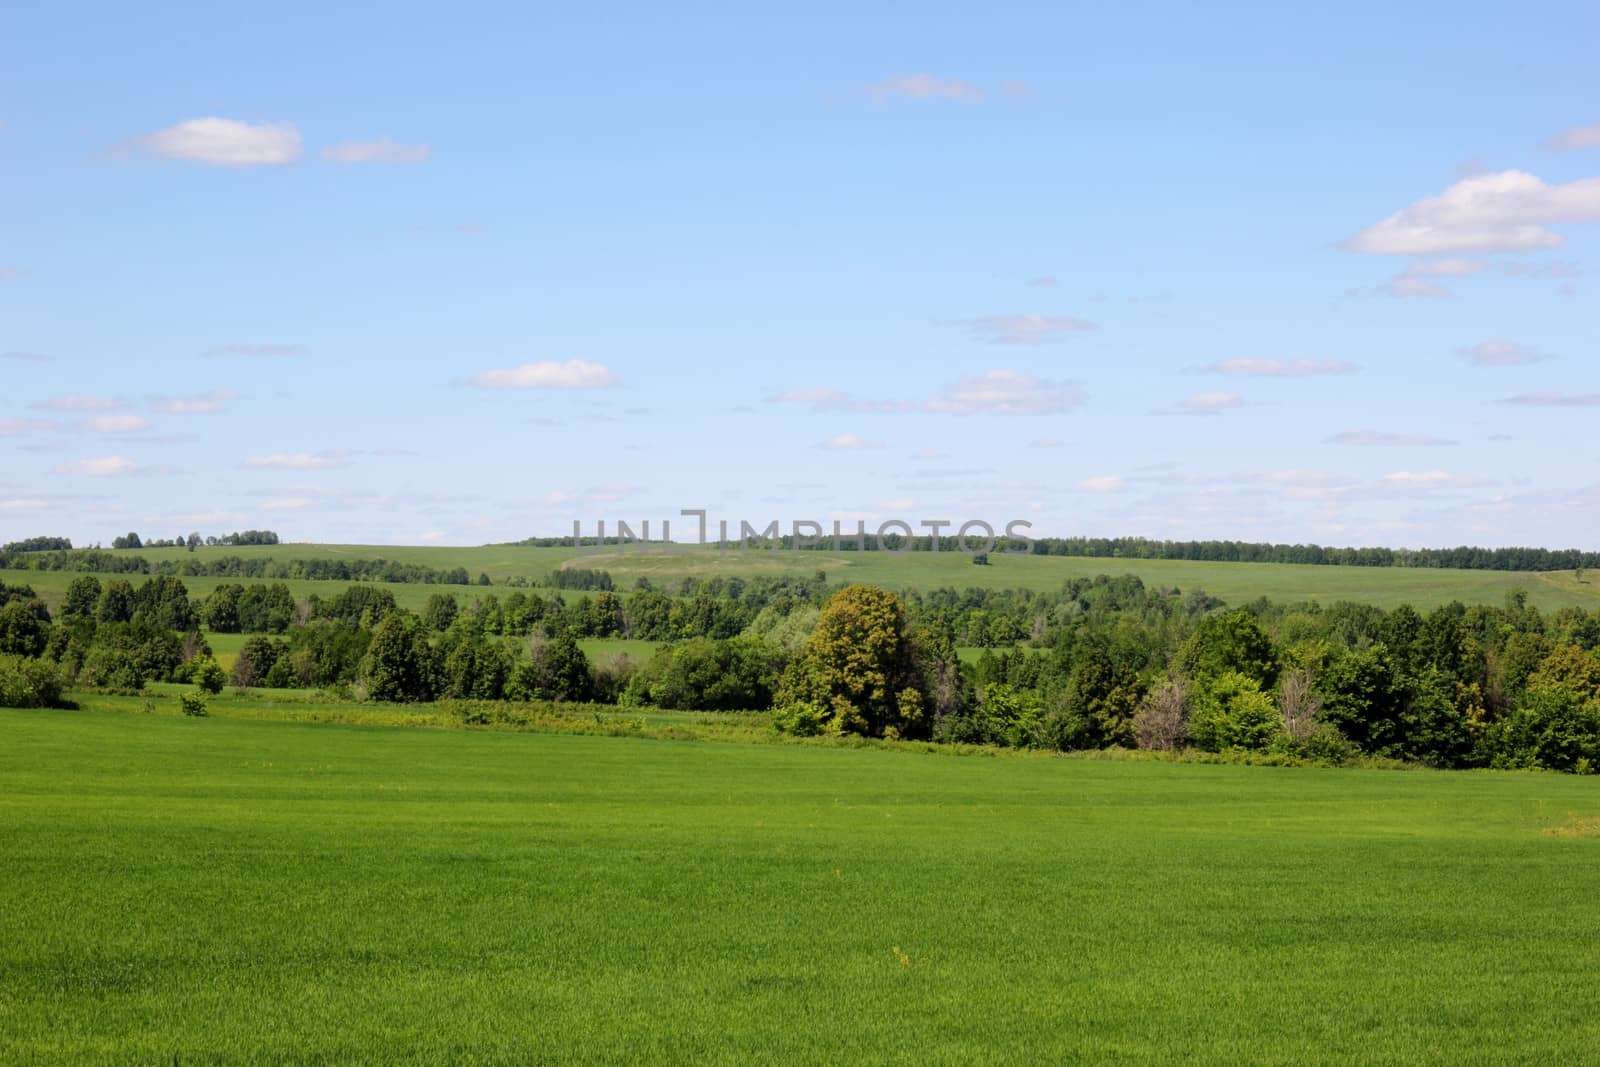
466,274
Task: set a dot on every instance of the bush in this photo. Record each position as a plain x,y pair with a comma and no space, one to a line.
30,683
803,718
193,704
110,668
208,675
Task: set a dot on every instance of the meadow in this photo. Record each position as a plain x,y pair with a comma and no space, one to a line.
232,890
1235,583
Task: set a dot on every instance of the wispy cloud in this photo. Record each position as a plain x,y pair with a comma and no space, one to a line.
226,142
1555,400
382,150
118,423
79,402
299,461
254,350
197,404
1105,483
548,374
11,273
27,357
1377,439
1431,480
1403,288
13,427
1500,354
1024,329
921,87
848,442
1279,368
1575,138
1209,403
1006,392
99,467
994,392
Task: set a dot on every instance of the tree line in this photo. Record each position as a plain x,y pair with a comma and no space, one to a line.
1104,662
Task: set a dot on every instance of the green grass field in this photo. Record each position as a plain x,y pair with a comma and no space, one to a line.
228,891
1236,583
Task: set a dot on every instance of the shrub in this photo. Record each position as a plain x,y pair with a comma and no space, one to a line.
208,675
30,683
193,704
803,718
110,668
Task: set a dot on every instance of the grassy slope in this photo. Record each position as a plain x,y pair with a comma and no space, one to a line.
230,891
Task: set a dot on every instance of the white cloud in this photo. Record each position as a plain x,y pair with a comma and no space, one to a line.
77,402
548,374
1044,280
1376,439
383,150
197,404
24,504
255,350
1212,402
227,142
1279,368
118,423
299,461
1024,329
1574,138
848,442
1499,354
99,466
1006,392
1105,483
932,87
1045,442
1504,212
1429,480
1555,400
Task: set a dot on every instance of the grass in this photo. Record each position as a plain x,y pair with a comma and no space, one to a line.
226,891
1236,583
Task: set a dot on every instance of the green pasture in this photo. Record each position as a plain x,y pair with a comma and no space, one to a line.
223,890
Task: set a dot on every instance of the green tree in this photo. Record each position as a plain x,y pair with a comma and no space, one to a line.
1230,642
116,602
221,611
859,666
399,665
82,598
21,632
440,612
1233,712
564,669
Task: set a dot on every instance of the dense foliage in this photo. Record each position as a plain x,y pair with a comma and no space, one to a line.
1098,663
